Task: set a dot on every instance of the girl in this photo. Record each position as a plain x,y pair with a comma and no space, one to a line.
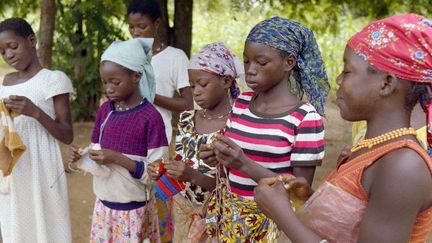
212,75
169,63
384,188
37,184
130,132
271,130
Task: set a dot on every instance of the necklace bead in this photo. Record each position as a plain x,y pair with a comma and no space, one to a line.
213,118
119,108
369,143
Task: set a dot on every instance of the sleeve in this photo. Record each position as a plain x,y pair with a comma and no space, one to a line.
308,147
180,134
156,139
180,70
57,84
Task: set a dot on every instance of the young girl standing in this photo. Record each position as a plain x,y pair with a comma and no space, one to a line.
36,207
169,63
212,73
130,132
271,130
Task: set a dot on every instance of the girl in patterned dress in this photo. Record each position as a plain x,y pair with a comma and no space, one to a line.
130,132
212,74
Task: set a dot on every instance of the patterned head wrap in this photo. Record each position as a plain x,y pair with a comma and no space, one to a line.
293,38
400,45
135,55
216,58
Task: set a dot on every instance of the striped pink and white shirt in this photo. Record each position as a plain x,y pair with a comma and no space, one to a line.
276,142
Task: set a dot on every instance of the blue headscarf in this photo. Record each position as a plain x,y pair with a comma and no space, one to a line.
291,37
135,54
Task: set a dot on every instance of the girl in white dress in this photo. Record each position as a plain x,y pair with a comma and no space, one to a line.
35,207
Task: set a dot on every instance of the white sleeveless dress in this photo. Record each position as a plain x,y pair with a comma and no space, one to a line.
36,209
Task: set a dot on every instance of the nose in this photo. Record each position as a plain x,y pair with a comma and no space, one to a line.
339,79
109,89
250,69
196,90
9,54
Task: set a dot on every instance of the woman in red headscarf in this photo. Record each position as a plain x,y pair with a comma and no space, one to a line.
381,191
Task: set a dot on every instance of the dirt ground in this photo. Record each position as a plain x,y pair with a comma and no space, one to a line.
338,134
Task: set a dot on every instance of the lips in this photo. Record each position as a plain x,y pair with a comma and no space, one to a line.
14,63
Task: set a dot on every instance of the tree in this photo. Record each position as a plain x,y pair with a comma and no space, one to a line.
46,32
179,35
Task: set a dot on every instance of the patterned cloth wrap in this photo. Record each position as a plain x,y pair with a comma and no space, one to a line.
400,45
232,218
216,58
293,38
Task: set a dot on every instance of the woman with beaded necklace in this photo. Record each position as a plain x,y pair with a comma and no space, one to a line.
382,191
212,73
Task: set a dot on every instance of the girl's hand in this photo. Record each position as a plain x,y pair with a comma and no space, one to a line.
179,170
206,153
22,105
267,196
153,169
299,188
228,152
104,156
72,154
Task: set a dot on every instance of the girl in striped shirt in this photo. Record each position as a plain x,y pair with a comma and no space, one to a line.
271,130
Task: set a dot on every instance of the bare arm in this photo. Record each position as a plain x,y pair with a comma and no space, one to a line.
400,186
179,104
60,128
306,172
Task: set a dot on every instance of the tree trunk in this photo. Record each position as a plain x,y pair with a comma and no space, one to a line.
46,32
183,25
180,35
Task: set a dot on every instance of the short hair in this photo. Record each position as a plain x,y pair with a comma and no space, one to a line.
150,8
18,25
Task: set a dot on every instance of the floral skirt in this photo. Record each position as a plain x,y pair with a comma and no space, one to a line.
137,225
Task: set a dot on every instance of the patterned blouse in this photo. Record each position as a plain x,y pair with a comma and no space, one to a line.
187,144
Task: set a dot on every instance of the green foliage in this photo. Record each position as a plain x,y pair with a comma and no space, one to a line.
84,29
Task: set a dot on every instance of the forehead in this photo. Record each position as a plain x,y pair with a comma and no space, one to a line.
196,75
257,49
139,18
10,36
111,68
352,59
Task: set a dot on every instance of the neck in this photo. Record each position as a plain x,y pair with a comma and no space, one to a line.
279,94
156,45
132,101
222,108
391,120
31,70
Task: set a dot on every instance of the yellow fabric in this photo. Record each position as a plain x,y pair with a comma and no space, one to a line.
11,145
359,131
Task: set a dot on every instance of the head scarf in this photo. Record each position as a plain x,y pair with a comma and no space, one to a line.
218,59
291,37
135,54
400,45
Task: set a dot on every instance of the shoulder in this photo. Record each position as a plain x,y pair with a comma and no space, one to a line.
175,51
245,97
306,112
150,114
402,172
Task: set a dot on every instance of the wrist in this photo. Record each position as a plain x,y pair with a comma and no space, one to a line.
37,113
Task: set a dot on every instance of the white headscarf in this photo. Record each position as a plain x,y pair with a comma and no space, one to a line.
135,54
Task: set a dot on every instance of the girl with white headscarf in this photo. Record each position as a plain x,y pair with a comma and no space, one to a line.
130,133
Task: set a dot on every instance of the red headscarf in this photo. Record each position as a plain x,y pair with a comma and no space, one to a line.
401,45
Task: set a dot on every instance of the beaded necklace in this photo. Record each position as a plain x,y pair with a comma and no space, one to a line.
369,143
119,108
213,118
